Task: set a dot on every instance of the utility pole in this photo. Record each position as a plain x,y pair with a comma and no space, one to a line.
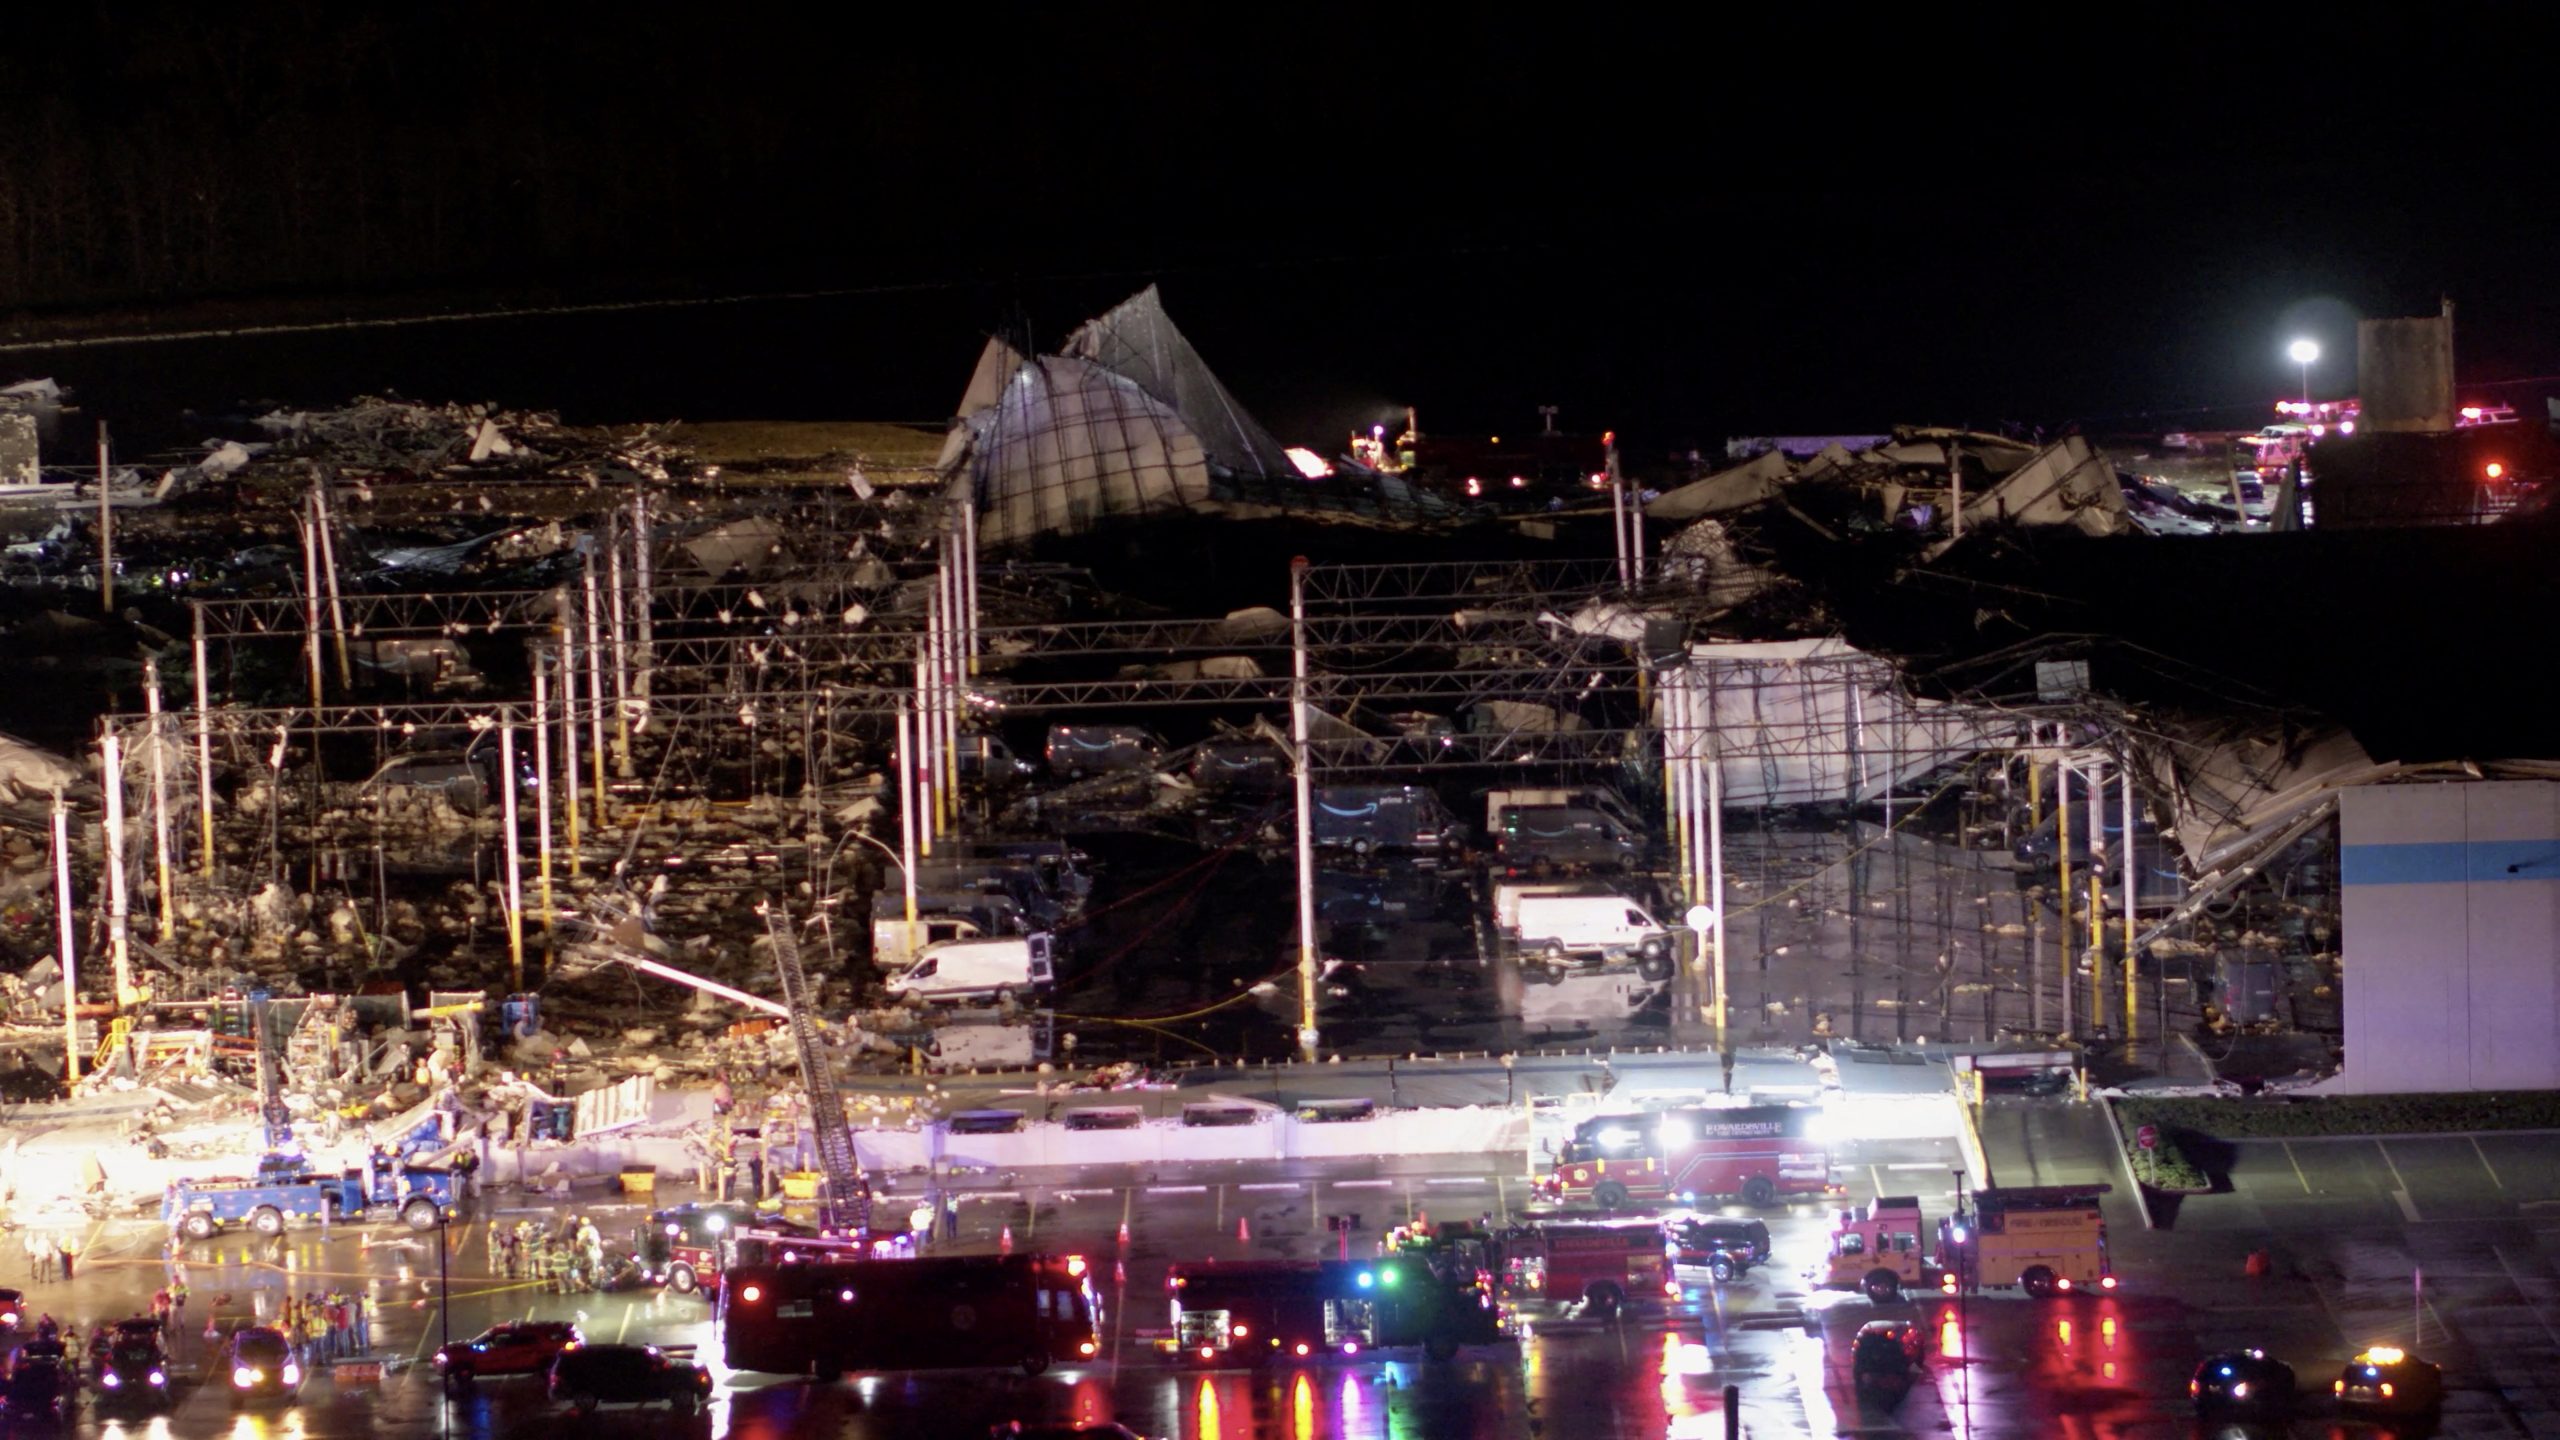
106,531
1308,1034
542,794
62,930
159,798
2132,972
2062,874
119,904
204,741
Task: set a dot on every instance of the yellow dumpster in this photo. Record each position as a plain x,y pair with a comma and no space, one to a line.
800,1184
639,1180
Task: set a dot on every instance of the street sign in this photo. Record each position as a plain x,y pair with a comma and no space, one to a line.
1702,918
2147,1137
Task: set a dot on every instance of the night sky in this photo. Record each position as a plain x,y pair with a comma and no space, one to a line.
1681,227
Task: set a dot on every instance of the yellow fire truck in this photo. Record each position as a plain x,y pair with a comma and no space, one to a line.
2045,1240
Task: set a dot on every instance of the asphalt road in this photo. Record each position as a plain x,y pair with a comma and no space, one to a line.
2105,1369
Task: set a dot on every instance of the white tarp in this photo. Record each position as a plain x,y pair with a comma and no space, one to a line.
1801,722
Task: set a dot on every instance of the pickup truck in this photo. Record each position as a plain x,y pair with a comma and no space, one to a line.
420,1195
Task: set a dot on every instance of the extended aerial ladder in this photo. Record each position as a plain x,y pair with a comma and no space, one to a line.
844,1202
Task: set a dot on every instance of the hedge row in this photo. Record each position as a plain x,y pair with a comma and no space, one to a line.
2345,1114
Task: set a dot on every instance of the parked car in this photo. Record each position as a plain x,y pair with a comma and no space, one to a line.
260,1366
593,1375
517,1347
2389,1380
135,1370
2241,1382
40,1388
1884,1356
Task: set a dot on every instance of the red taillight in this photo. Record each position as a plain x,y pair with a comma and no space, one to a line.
1947,1283
1085,1348
2063,1284
750,1294
1208,1353
2107,1282
1302,1347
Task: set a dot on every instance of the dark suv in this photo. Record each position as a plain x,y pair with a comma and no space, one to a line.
135,1370
1726,1247
518,1347
594,1375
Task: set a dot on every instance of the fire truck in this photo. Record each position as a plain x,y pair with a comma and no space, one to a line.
2046,1240
1430,1290
1759,1152
1606,1266
829,1318
1263,1311
683,1246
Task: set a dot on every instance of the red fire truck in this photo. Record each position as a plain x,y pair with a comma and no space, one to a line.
1606,1266
1759,1152
830,1318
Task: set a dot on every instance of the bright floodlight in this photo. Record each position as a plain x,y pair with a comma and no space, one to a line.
2304,351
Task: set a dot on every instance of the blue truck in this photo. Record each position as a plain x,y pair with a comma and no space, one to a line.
285,1187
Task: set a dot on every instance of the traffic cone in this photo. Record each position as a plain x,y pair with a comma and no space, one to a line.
1124,1234
1244,1231
1120,1272
1004,1242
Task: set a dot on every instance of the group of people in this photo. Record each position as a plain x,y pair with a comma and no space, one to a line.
49,1257
570,1258
329,1325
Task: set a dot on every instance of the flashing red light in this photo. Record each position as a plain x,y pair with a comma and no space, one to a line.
1302,1347
2470,412
1208,1353
751,1294
1947,1283
1075,1265
2063,1284
1350,1347
1242,1331
2107,1282
1085,1348
2494,470
1671,1288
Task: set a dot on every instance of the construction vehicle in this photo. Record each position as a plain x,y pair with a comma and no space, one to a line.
2046,1240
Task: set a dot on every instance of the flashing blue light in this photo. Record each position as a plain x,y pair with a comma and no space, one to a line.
1365,1278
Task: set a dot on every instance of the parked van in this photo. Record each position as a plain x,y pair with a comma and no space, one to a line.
1566,835
987,758
1362,818
1252,765
940,916
1507,895
1609,927
977,970
1498,803
1080,750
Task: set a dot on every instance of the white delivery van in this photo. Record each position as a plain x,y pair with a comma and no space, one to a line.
1507,895
890,949
977,970
1583,926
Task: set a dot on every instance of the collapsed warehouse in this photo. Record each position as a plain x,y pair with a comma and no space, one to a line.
512,770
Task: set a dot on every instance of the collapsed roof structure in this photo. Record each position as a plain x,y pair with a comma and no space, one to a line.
1127,421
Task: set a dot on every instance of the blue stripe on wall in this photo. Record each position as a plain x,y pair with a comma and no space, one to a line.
2450,862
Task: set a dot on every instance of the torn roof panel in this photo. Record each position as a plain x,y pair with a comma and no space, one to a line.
1137,340
2231,794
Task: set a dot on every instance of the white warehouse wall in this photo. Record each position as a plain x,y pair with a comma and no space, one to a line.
2451,918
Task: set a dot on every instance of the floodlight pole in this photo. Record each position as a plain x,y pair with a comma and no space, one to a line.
2132,973
159,797
204,742
63,932
1300,765
119,904
907,816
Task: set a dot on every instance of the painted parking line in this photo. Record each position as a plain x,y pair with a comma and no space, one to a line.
2408,1207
